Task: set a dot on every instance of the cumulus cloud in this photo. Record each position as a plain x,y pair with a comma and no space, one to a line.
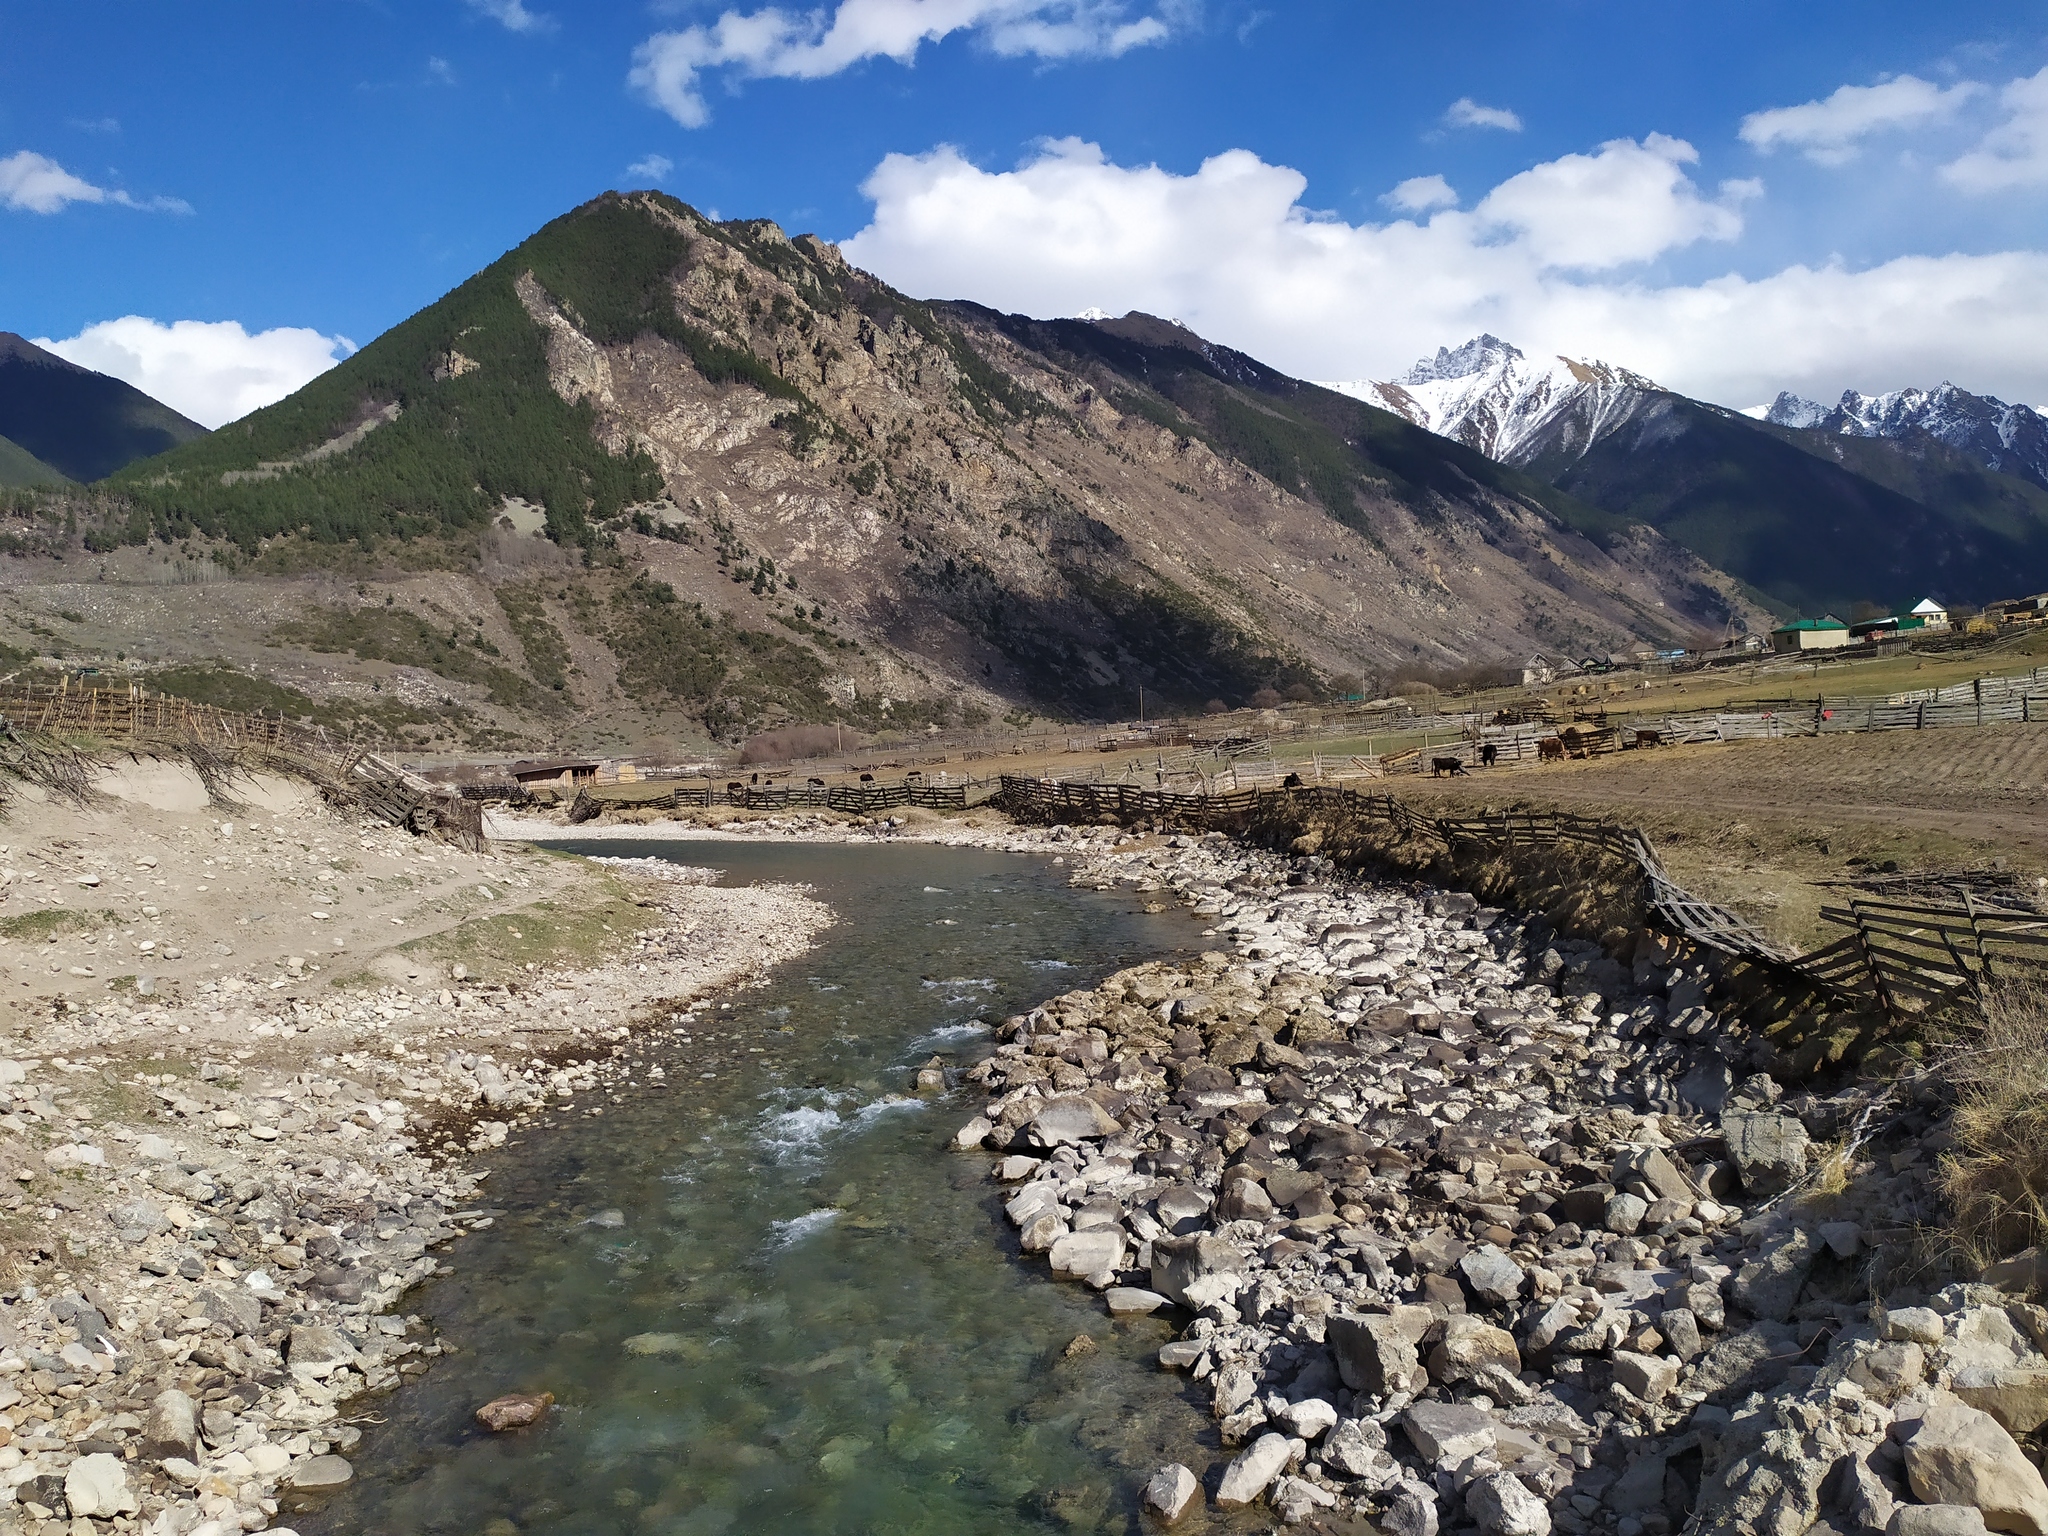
1830,130
513,15
2015,153
211,371
1553,259
1420,194
1467,113
773,43
33,183
651,167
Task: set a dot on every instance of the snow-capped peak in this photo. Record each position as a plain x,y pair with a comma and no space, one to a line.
2012,439
1488,395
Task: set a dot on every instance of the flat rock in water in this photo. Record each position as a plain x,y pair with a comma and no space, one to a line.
1254,1470
1071,1118
1131,1301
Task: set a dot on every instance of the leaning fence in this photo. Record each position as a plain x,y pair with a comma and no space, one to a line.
1903,956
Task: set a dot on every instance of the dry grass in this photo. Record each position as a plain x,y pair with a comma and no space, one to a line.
1996,1176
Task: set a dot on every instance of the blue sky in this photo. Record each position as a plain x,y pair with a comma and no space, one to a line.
1614,184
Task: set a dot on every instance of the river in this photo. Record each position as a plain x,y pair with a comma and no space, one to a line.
765,1296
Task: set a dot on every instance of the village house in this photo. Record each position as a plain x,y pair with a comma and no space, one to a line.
1826,633
1540,671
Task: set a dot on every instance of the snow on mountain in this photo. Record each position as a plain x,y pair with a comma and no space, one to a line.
1487,395
2012,439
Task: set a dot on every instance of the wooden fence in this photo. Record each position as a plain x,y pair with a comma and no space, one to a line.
1903,956
345,770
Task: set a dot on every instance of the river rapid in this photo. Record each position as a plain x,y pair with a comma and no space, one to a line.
763,1293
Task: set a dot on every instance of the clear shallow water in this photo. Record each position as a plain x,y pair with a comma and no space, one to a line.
811,1320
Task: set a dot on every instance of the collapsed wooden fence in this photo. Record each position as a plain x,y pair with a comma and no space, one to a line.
1903,956
221,743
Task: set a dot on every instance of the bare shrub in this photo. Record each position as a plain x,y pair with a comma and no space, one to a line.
1996,1176
797,741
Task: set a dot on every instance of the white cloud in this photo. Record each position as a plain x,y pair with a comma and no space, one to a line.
651,168
211,371
441,70
2014,154
1829,131
513,15
1550,259
1467,113
33,183
1419,194
774,43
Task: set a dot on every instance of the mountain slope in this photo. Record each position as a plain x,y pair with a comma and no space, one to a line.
776,489
1811,520
19,467
2007,439
84,425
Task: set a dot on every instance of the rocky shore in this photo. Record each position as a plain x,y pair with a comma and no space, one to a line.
1472,1227
225,1181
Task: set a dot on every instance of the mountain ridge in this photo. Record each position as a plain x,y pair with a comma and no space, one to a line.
82,424
789,492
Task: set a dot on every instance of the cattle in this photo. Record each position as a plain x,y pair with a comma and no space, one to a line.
1439,766
753,778
867,778
1649,738
735,787
1489,754
1550,750
815,783
1292,781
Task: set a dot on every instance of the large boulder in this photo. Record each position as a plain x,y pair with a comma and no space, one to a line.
1068,1119
1378,1353
1091,1255
1254,1470
1170,1493
1446,1434
1957,1454
98,1485
1501,1506
172,1428
1473,1350
1768,1287
1769,1151
1197,1271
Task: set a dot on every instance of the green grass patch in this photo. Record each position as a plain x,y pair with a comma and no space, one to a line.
40,926
577,931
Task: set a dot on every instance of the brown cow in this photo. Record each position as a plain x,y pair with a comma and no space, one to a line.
1550,750
1649,738
1439,766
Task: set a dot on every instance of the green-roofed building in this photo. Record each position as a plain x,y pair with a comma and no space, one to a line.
1826,633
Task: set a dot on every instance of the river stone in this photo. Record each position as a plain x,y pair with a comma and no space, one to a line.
1915,1325
1196,1271
1768,1287
1647,1377
1181,1209
1308,1418
1492,1275
1235,1386
1170,1492
1377,1353
98,1485
1624,1213
1131,1301
1353,1448
172,1428
1500,1506
1751,1361
972,1134
1042,1231
1070,1119
515,1410
316,1350
1472,1347
1412,1513
1295,1499
1958,1455
1080,1255
317,1479
238,1310
1446,1434
1769,1150
1254,1470
1936,1520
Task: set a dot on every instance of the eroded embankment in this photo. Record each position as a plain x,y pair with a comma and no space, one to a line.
1475,1225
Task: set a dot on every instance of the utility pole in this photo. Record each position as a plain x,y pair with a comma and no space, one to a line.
1141,703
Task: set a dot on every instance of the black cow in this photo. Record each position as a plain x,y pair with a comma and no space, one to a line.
1292,781
1489,754
1439,766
